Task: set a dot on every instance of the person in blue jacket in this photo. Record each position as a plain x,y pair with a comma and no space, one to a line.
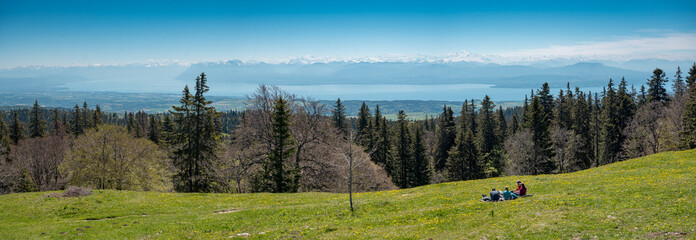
509,195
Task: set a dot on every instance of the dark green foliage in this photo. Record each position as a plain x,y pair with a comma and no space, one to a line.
16,129
37,124
382,154
688,139
277,175
364,126
610,130
196,140
656,87
402,153
546,100
445,136
339,117
421,171
4,138
58,127
513,126
538,123
154,133
98,116
463,162
87,118
581,115
691,79
78,127
487,139
502,127
168,130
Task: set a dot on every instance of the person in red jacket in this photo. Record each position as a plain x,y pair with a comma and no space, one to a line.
521,189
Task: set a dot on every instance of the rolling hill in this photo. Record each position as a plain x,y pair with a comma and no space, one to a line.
648,197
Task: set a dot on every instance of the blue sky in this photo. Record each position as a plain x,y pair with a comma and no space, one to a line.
118,32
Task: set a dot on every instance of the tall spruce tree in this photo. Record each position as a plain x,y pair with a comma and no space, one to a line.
57,126
421,166
626,108
656,87
487,140
546,100
154,133
277,174
538,123
168,132
196,141
98,116
339,117
383,151
581,114
445,136
688,139
364,126
679,87
463,162
37,124
87,122
691,79
610,131
403,153
76,122
16,129
502,127
4,138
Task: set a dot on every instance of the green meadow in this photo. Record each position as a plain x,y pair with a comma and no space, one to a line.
648,197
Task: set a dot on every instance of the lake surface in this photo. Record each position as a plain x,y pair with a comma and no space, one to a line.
445,92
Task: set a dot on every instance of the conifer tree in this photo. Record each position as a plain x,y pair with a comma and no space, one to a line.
581,114
57,126
37,124
282,177
536,121
691,79
364,126
546,100
168,130
445,135
86,117
4,137
688,139
76,122
16,129
402,153
626,107
610,132
339,117
98,116
502,126
514,125
679,87
656,87
383,151
421,165
196,140
463,162
154,133
487,139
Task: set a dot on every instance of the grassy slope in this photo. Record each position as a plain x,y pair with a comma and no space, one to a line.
641,198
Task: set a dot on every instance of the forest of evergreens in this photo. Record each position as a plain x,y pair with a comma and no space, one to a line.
285,143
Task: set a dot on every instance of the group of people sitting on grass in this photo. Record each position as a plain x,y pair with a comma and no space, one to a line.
497,195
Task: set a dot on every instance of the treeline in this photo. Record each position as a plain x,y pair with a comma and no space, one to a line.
572,131
284,143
